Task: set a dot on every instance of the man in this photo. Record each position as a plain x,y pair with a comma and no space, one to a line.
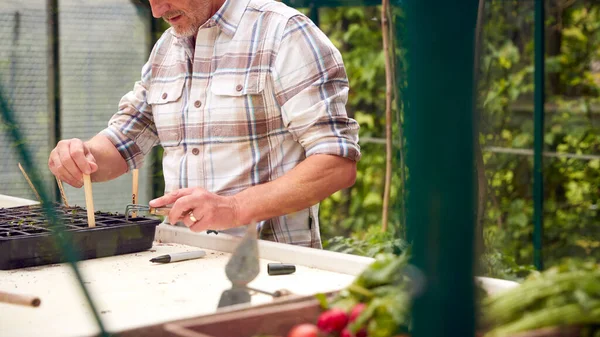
247,98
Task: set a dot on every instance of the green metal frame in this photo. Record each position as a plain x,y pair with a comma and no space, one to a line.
538,146
54,104
440,190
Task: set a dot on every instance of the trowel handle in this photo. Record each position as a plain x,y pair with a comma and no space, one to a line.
160,210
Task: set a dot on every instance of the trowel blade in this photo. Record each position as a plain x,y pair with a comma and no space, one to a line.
243,266
234,296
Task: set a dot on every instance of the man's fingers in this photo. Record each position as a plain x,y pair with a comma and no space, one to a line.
70,159
92,162
78,153
182,207
53,162
196,222
170,198
67,162
56,167
67,177
198,226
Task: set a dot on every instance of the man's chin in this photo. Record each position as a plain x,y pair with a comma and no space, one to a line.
185,32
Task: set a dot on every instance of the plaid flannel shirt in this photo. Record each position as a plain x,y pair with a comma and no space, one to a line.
262,89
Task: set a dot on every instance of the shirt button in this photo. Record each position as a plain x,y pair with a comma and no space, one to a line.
197,104
195,151
239,87
164,95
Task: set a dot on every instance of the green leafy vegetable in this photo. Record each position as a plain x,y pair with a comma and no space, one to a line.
567,294
384,288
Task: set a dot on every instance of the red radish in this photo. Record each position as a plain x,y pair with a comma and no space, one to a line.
304,330
361,333
356,311
332,320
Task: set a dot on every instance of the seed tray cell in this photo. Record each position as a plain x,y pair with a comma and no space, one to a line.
27,240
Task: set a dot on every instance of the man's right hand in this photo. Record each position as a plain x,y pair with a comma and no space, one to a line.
70,160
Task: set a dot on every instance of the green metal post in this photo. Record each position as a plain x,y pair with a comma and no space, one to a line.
440,189
314,13
54,103
538,143
398,33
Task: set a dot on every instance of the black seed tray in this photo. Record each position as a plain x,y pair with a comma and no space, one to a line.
26,240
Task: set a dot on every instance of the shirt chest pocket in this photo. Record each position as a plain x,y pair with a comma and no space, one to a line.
167,101
239,98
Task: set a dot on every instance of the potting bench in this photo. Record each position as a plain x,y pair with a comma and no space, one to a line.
130,292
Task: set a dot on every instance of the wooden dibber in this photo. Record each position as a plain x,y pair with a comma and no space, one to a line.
134,192
89,200
30,183
62,192
30,301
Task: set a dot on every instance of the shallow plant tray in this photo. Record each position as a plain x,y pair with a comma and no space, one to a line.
276,319
26,239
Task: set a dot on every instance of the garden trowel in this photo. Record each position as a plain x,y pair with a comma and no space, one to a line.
242,268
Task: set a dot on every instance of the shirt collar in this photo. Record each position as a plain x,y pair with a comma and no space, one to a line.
229,16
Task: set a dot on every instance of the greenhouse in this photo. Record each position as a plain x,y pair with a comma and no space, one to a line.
300,168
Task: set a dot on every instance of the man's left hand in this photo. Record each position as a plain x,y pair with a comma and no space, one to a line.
199,209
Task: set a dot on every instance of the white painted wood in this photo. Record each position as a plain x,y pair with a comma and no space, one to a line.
7,201
494,285
308,257
131,292
321,259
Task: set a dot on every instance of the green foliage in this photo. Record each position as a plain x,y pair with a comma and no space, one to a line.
571,184
505,97
495,263
357,33
371,243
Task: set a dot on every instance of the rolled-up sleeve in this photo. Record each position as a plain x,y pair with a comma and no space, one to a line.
132,128
311,87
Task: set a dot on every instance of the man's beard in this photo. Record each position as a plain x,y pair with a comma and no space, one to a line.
190,30
187,31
